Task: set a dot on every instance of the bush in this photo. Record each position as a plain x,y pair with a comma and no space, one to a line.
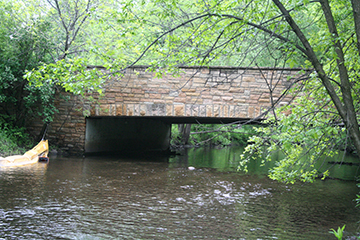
214,134
13,140
22,48
175,135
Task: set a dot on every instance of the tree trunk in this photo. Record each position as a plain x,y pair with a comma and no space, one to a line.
186,134
346,108
349,118
184,130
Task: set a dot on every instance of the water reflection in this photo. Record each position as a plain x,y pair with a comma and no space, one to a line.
117,198
227,159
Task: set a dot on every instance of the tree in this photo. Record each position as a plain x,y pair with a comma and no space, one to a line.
337,87
72,30
50,36
22,47
320,35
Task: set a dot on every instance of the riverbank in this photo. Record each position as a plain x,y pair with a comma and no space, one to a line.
10,145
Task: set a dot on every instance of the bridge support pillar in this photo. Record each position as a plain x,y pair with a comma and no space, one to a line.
126,135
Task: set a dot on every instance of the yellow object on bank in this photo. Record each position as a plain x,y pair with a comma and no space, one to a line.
39,152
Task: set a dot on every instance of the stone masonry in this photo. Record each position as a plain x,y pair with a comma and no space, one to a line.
221,92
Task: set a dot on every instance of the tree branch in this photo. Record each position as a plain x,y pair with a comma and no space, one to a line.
312,58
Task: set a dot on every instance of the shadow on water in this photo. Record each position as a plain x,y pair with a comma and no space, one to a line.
155,156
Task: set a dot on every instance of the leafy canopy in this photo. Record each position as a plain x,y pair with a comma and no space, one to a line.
23,47
166,35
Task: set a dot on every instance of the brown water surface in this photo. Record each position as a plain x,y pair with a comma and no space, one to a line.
160,198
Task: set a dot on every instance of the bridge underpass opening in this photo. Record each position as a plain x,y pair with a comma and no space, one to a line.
139,134
126,135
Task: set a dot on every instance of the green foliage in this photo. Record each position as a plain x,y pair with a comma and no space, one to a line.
339,233
71,74
254,33
214,134
312,131
358,202
306,136
203,134
13,139
175,33
22,47
170,34
76,28
175,135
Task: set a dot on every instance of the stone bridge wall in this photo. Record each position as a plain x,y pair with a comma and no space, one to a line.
205,92
221,92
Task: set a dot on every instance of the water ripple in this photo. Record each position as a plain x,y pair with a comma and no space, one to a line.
123,200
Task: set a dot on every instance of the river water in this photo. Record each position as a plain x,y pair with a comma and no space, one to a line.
161,198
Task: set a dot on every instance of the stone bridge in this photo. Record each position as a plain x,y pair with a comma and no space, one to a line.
139,108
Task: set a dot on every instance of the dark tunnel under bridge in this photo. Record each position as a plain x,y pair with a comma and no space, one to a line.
139,134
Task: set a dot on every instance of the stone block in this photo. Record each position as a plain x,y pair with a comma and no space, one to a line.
180,100
69,125
137,91
142,109
169,110
173,93
231,111
192,94
179,110
227,99
130,110
173,81
241,100
188,90
112,109
225,111
202,111
195,110
80,125
205,71
224,87
119,99
206,95
156,109
251,111
216,111
188,110
120,110
264,100
154,85
136,110
216,98
199,80
248,79
155,96
254,97
104,110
